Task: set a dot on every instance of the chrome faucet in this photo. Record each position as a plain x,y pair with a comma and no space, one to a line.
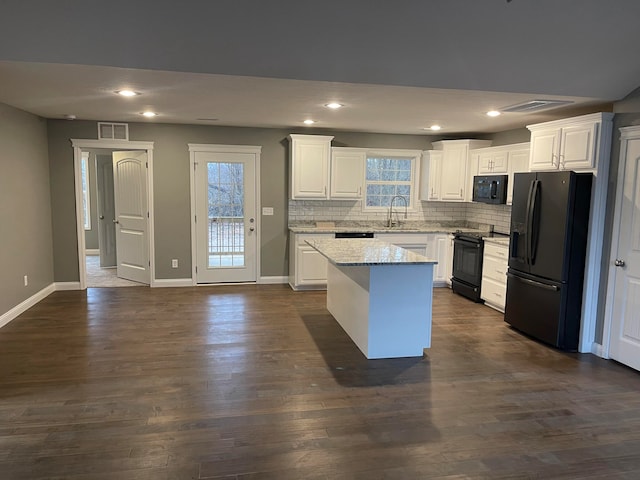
390,222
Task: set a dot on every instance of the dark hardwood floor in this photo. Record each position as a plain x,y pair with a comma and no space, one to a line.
259,382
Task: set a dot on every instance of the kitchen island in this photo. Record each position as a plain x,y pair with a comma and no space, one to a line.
380,294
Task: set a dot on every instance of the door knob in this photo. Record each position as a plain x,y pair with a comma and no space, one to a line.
619,263
251,229
116,221
101,217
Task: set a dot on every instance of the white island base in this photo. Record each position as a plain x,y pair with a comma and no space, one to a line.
385,309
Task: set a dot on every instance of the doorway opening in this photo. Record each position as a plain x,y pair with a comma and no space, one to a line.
114,212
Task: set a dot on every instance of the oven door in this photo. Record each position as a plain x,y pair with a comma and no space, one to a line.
467,261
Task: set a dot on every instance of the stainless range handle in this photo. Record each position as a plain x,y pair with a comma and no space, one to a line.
619,263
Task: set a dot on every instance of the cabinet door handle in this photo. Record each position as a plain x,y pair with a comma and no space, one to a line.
553,157
561,161
461,193
359,191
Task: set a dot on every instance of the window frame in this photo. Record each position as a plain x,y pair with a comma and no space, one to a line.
414,156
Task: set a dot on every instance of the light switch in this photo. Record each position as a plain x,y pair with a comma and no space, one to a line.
267,210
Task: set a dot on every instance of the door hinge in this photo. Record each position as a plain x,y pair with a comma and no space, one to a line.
148,215
196,269
195,219
146,164
194,165
149,262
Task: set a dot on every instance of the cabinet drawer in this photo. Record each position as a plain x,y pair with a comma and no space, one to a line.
495,269
498,251
301,239
493,292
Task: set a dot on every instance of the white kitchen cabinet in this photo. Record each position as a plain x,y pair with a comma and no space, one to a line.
347,172
431,245
430,174
455,172
568,144
309,159
449,260
494,275
518,162
493,162
307,267
441,254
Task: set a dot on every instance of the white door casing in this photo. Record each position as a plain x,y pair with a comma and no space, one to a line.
84,144
132,215
623,305
225,244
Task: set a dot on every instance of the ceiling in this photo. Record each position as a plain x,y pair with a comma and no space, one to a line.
397,67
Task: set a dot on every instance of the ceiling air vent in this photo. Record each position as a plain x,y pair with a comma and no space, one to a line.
113,131
533,105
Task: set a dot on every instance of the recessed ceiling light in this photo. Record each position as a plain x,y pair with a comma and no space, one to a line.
334,105
127,93
493,113
435,128
309,122
149,114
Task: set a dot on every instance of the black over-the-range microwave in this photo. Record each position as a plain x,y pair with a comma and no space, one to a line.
490,188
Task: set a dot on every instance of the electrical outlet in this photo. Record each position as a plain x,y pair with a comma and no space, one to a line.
26,280
174,263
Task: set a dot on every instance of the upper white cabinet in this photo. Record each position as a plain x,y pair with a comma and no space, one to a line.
568,144
430,172
455,170
347,172
518,159
309,159
493,162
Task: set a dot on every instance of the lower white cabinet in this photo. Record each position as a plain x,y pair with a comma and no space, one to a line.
494,275
307,267
449,260
431,245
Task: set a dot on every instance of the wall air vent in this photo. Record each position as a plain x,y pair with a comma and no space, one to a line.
113,131
533,105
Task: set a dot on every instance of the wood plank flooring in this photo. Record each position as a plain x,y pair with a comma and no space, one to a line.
259,382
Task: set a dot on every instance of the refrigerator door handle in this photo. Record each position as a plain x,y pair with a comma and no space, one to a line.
527,248
535,222
533,283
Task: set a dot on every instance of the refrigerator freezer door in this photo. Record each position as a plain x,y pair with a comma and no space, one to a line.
537,308
549,225
523,183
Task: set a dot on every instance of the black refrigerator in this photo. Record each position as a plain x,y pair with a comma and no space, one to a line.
547,249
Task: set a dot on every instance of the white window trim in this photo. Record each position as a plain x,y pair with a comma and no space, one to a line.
87,191
414,156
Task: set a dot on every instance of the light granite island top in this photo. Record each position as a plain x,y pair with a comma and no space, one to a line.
366,251
380,294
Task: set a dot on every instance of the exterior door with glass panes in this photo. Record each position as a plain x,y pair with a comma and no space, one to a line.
226,226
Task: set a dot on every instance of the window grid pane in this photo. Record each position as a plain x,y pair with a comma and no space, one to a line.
386,178
226,214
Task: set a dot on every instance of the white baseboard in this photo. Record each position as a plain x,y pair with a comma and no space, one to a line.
92,251
597,349
67,286
273,280
172,282
26,305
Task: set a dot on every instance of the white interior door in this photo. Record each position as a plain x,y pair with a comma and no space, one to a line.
625,323
226,246
132,215
106,211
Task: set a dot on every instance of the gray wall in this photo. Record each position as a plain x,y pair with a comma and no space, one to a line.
171,186
25,214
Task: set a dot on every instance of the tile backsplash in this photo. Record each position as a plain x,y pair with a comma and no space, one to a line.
351,210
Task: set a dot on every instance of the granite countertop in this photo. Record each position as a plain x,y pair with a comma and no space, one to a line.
380,227
366,252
